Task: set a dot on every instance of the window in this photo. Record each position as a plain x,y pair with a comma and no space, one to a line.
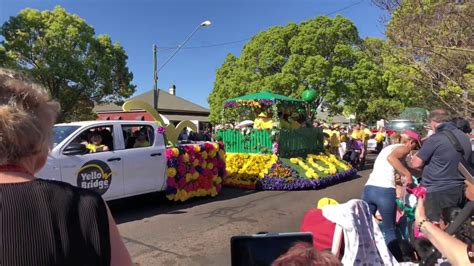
97,139
62,132
138,136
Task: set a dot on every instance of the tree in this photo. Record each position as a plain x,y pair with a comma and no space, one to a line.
316,54
379,88
434,43
61,51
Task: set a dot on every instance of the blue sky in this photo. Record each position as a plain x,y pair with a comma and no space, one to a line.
139,24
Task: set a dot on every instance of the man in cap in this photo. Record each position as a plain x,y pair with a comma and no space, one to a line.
439,160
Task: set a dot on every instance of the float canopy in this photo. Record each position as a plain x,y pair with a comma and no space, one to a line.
264,95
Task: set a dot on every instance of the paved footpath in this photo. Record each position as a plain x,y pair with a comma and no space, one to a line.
198,232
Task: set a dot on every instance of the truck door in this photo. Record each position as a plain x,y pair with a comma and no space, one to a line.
145,163
100,170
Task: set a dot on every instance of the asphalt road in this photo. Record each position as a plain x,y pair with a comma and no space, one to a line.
198,232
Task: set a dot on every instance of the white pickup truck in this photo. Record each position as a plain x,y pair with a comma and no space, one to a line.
133,163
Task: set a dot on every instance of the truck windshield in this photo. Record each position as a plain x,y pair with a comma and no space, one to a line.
62,132
402,125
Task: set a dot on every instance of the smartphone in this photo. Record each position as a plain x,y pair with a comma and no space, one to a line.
465,173
263,249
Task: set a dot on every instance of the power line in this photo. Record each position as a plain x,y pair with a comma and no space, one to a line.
246,39
206,46
344,8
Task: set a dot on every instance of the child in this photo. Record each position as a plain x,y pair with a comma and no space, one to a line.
395,138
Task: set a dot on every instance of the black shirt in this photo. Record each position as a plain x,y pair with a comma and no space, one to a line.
46,222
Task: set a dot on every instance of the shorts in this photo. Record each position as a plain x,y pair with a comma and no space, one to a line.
436,201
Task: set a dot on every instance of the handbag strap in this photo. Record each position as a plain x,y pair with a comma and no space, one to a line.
457,146
454,141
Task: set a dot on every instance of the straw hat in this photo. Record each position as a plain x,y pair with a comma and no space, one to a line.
262,114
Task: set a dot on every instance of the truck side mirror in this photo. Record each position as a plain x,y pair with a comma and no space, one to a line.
75,149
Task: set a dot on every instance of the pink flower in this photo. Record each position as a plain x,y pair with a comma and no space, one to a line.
188,188
275,148
181,182
189,149
171,182
161,130
169,154
181,169
209,146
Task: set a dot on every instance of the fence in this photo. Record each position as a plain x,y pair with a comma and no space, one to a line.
291,142
256,141
300,142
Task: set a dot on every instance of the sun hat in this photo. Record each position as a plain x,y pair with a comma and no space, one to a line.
262,114
413,134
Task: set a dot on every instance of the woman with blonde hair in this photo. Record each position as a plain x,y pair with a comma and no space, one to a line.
45,222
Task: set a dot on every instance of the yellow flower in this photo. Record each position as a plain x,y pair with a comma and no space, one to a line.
222,154
212,154
189,177
171,171
175,152
186,157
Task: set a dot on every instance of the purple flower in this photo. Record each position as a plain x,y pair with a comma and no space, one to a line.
299,183
266,102
161,130
231,104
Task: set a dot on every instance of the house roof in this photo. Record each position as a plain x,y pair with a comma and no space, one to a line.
334,119
166,102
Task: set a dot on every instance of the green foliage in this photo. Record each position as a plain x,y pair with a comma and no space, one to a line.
316,54
5,60
433,45
350,75
62,52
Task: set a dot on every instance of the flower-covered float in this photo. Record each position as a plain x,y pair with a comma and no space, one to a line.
193,170
277,152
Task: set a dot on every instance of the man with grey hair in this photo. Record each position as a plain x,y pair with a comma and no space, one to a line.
439,160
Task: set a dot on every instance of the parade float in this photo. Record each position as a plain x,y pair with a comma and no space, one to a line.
193,170
283,156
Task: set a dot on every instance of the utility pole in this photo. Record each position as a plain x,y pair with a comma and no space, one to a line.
155,80
155,64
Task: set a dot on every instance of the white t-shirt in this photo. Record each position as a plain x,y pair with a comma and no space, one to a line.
383,174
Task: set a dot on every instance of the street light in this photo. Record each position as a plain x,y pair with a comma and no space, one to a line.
155,70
